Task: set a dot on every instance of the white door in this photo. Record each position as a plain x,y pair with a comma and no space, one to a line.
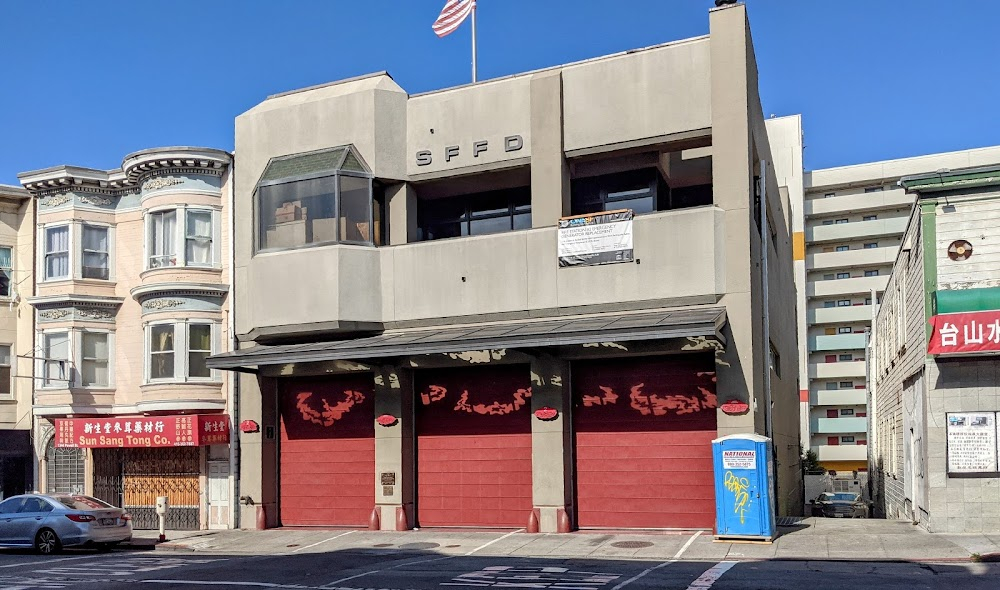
218,494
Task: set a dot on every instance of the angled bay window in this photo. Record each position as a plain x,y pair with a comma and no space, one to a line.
182,236
75,358
76,250
322,197
176,351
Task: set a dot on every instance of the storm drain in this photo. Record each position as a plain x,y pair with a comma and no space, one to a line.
631,544
382,545
419,546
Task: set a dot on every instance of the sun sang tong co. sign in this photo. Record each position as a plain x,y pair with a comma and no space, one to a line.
975,332
142,431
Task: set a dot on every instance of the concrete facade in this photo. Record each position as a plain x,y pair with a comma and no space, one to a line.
851,221
914,392
17,472
689,108
122,253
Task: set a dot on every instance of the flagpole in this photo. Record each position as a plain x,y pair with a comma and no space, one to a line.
473,41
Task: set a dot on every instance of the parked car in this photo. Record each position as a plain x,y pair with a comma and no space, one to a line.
50,522
840,505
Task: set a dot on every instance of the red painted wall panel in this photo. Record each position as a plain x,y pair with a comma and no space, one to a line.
474,446
327,450
644,429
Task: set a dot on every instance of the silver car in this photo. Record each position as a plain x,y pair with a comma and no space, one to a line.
50,522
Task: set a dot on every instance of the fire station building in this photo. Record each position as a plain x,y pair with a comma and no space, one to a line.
531,302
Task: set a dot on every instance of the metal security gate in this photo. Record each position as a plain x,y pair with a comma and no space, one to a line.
133,478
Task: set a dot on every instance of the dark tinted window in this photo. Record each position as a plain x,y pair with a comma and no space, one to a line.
10,505
82,503
475,214
642,191
35,505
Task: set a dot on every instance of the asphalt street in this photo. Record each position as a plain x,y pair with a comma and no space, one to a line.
418,569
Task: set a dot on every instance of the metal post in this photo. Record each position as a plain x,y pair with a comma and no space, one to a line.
474,78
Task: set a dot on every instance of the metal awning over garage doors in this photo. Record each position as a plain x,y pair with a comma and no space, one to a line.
689,322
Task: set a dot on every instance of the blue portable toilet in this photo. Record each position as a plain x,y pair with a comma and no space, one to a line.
744,499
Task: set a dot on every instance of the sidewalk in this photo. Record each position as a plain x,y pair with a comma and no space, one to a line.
808,539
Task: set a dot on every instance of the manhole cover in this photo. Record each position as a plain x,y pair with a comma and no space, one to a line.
382,545
419,546
631,544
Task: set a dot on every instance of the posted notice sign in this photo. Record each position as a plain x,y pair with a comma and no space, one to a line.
742,459
972,442
598,238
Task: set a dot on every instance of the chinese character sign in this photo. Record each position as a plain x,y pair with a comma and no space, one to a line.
965,333
972,442
145,431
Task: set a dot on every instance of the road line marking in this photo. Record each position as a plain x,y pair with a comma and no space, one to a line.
224,583
485,545
676,557
686,545
711,575
323,541
363,574
48,561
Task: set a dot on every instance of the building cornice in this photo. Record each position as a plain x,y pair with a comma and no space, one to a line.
178,289
46,301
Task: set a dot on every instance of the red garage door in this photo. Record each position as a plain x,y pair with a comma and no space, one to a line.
644,429
327,450
474,447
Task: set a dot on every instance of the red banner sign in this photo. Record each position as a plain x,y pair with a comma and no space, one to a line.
965,333
143,431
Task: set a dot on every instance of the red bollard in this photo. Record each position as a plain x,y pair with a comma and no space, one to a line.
261,518
532,521
374,521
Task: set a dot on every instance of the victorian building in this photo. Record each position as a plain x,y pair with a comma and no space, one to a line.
528,302
16,319
131,298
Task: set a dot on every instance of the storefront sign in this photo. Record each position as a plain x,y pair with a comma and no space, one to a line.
600,238
142,431
740,459
972,442
965,333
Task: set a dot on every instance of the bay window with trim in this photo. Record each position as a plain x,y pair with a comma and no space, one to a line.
76,250
72,358
317,198
183,236
177,351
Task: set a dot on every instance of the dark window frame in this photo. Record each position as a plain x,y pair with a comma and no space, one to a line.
465,213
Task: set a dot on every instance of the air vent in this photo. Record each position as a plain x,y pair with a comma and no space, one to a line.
960,250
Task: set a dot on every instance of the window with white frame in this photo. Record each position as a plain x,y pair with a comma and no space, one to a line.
76,358
178,351
5,372
95,264
55,359
183,236
95,357
56,254
6,270
76,250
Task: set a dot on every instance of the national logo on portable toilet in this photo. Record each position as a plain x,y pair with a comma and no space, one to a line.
739,459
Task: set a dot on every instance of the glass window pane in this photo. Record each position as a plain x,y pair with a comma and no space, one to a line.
640,205
297,213
162,338
489,225
95,238
522,221
200,337
355,209
199,238
95,346
5,257
197,366
162,239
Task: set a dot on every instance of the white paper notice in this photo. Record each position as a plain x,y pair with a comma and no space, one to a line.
739,459
972,442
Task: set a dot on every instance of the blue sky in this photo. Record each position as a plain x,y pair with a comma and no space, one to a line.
85,83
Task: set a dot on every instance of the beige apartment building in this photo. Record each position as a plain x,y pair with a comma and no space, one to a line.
423,343
131,297
852,221
17,469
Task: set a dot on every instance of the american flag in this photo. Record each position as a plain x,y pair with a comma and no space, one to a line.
452,15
